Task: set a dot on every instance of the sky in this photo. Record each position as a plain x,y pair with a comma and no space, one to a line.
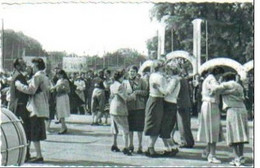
84,29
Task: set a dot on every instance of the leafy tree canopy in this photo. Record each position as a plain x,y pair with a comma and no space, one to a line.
16,44
230,28
121,58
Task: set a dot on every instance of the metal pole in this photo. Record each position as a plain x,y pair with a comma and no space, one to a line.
172,39
158,45
104,62
195,46
2,45
96,62
117,60
104,59
207,54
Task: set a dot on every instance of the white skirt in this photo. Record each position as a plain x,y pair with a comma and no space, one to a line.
237,126
63,106
121,122
210,129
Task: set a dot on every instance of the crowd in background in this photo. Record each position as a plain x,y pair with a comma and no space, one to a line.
153,104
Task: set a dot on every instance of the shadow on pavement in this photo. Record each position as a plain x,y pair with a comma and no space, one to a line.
84,163
73,142
220,147
78,132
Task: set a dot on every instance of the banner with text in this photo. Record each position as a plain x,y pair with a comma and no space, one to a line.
74,64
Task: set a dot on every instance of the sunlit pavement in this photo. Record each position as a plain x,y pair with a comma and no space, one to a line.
86,145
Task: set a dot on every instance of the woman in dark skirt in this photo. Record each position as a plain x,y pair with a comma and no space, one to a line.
154,107
170,109
137,91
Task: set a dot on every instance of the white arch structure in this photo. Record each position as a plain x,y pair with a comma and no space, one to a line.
183,54
249,65
224,62
242,70
147,63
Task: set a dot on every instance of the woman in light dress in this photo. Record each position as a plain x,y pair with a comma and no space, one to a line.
209,130
118,112
62,88
236,121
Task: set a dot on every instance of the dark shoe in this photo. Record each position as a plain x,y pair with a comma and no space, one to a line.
95,124
150,152
63,131
175,143
139,151
166,153
242,159
127,152
36,160
57,122
204,154
131,149
174,152
185,146
115,149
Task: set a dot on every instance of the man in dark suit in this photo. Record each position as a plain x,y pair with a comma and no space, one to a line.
18,100
183,115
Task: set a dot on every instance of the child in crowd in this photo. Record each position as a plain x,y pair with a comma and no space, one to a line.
98,102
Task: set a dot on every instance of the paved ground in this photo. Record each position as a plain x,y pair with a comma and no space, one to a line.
86,145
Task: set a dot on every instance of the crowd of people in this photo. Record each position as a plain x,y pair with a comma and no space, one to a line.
154,104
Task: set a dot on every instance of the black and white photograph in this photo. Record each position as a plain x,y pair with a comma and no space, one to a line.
132,83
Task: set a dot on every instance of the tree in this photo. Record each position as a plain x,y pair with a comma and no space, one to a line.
16,44
230,28
121,58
